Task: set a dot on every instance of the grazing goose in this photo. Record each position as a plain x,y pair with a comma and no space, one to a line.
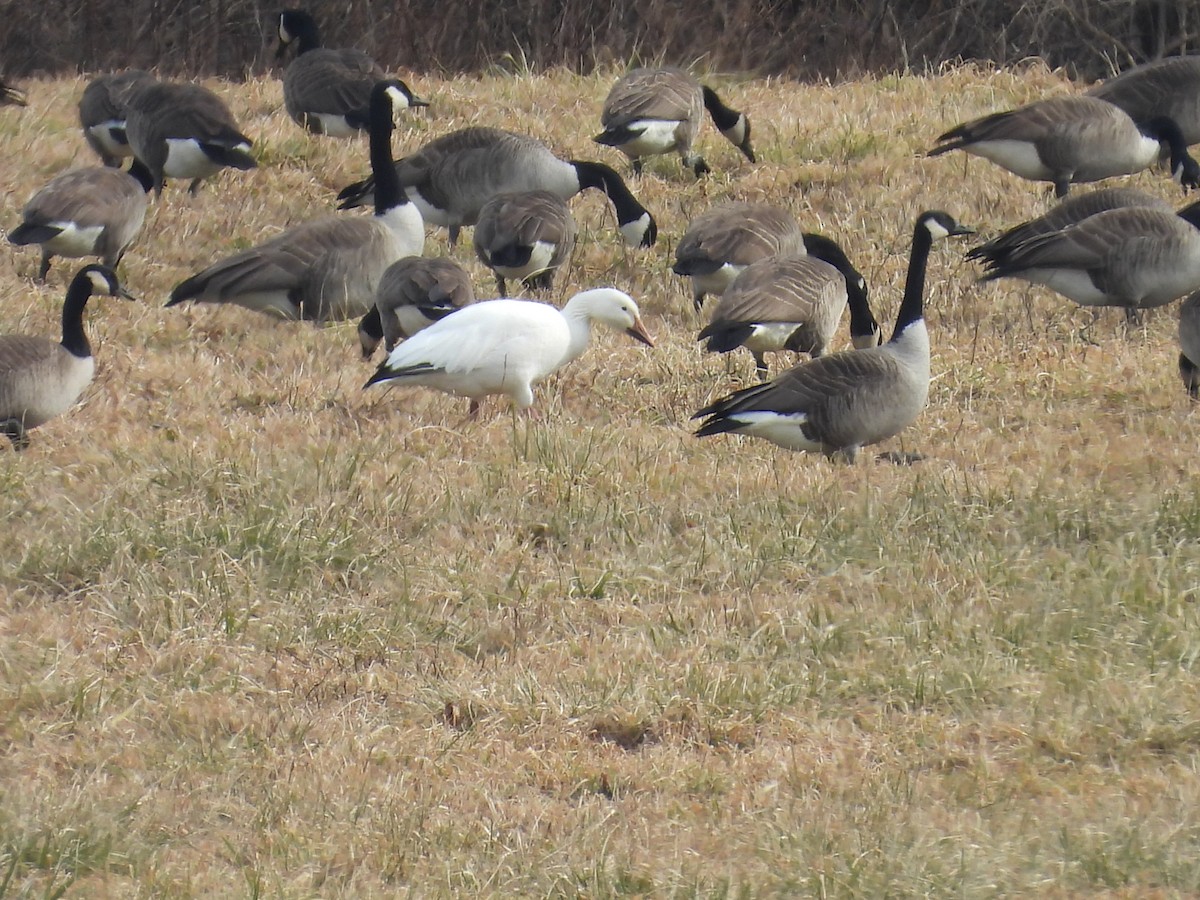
11,96
1071,211
838,403
1136,258
453,176
1068,140
85,212
39,379
527,236
720,242
792,303
653,111
328,91
326,269
1189,345
413,293
183,131
507,346
1167,87
102,111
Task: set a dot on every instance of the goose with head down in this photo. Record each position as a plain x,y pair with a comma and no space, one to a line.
413,293
507,346
94,211
1072,139
720,242
649,112
1134,257
452,177
103,110
792,303
527,236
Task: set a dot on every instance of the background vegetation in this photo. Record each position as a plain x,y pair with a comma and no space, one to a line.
829,39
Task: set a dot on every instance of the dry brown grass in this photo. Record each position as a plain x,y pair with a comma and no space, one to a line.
263,633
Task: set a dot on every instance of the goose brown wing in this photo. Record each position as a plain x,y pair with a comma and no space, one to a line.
282,263
669,94
436,282
332,81
782,289
1167,87
739,234
1070,211
20,352
1091,244
88,197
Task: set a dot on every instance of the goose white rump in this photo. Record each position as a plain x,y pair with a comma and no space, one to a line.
507,346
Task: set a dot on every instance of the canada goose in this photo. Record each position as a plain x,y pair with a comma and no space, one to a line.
792,303
1166,87
39,379
183,131
1070,211
11,96
1189,345
413,293
653,111
1068,140
85,212
720,242
453,176
102,111
838,403
1136,258
328,268
507,346
328,91
527,236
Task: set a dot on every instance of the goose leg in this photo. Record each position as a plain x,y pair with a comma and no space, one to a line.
1190,373
501,286
1133,317
15,431
760,365
45,268
194,186
697,164
637,165
542,281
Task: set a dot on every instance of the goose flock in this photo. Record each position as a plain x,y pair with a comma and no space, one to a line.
778,286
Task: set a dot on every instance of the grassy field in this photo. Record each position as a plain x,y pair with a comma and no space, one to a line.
263,633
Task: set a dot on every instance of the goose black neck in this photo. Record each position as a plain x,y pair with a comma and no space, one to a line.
304,30
912,306
74,339
142,175
602,177
722,116
372,324
388,192
826,250
862,322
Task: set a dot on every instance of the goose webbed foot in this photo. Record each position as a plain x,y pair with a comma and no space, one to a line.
900,458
